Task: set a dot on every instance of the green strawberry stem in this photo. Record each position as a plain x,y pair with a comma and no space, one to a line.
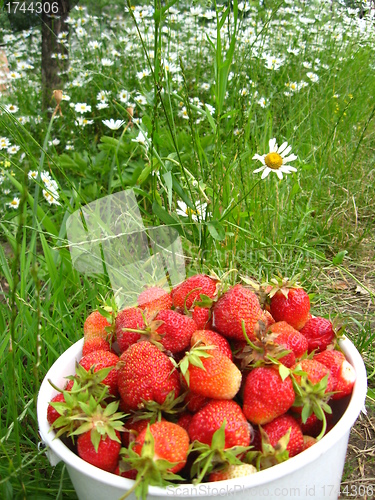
248,341
139,484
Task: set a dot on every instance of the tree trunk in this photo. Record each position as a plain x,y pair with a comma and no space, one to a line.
52,25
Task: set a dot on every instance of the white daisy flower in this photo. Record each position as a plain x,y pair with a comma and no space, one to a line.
276,160
313,76
14,203
82,107
112,124
197,214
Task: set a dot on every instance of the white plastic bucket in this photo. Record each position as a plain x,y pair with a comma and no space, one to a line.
314,473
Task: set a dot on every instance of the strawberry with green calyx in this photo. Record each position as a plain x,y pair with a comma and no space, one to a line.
98,434
175,330
103,359
267,394
90,379
146,374
210,418
187,293
158,453
313,385
214,456
263,350
210,373
287,336
154,299
153,411
209,337
96,325
129,325
235,306
289,302
281,439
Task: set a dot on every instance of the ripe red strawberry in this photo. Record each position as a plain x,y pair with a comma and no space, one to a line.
312,426
95,344
340,369
52,413
176,330
127,320
154,299
289,337
319,333
103,359
209,337
202,317
96,325
210,418
315,371
171,442
266,396
211,373
291,305
276,429
189,291
107,455
232,472
235,306
147,374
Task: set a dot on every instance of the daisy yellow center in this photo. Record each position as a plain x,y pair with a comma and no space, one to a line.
273,160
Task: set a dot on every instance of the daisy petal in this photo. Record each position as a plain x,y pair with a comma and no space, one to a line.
272,145
279,174
266,173
289,168
289,158
287,151
282,147
259,169
258,157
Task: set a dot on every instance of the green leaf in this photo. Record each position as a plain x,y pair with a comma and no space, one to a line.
216,230
144,174
283,371
165,217
339,257
218,439
211,121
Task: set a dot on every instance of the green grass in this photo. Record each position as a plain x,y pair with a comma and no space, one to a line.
296,226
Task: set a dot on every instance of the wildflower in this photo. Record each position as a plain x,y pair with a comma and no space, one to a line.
12,150
55,142
11,108
276,160
14,203
124,96
263,102
14,75
313,76
82,107
141,139
196,214
140,99
102,105
106,62
83,121
51,196
112,124
4,143
32,174
102,95
183,113
142,74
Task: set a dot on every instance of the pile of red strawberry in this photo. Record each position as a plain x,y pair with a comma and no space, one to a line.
211,381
